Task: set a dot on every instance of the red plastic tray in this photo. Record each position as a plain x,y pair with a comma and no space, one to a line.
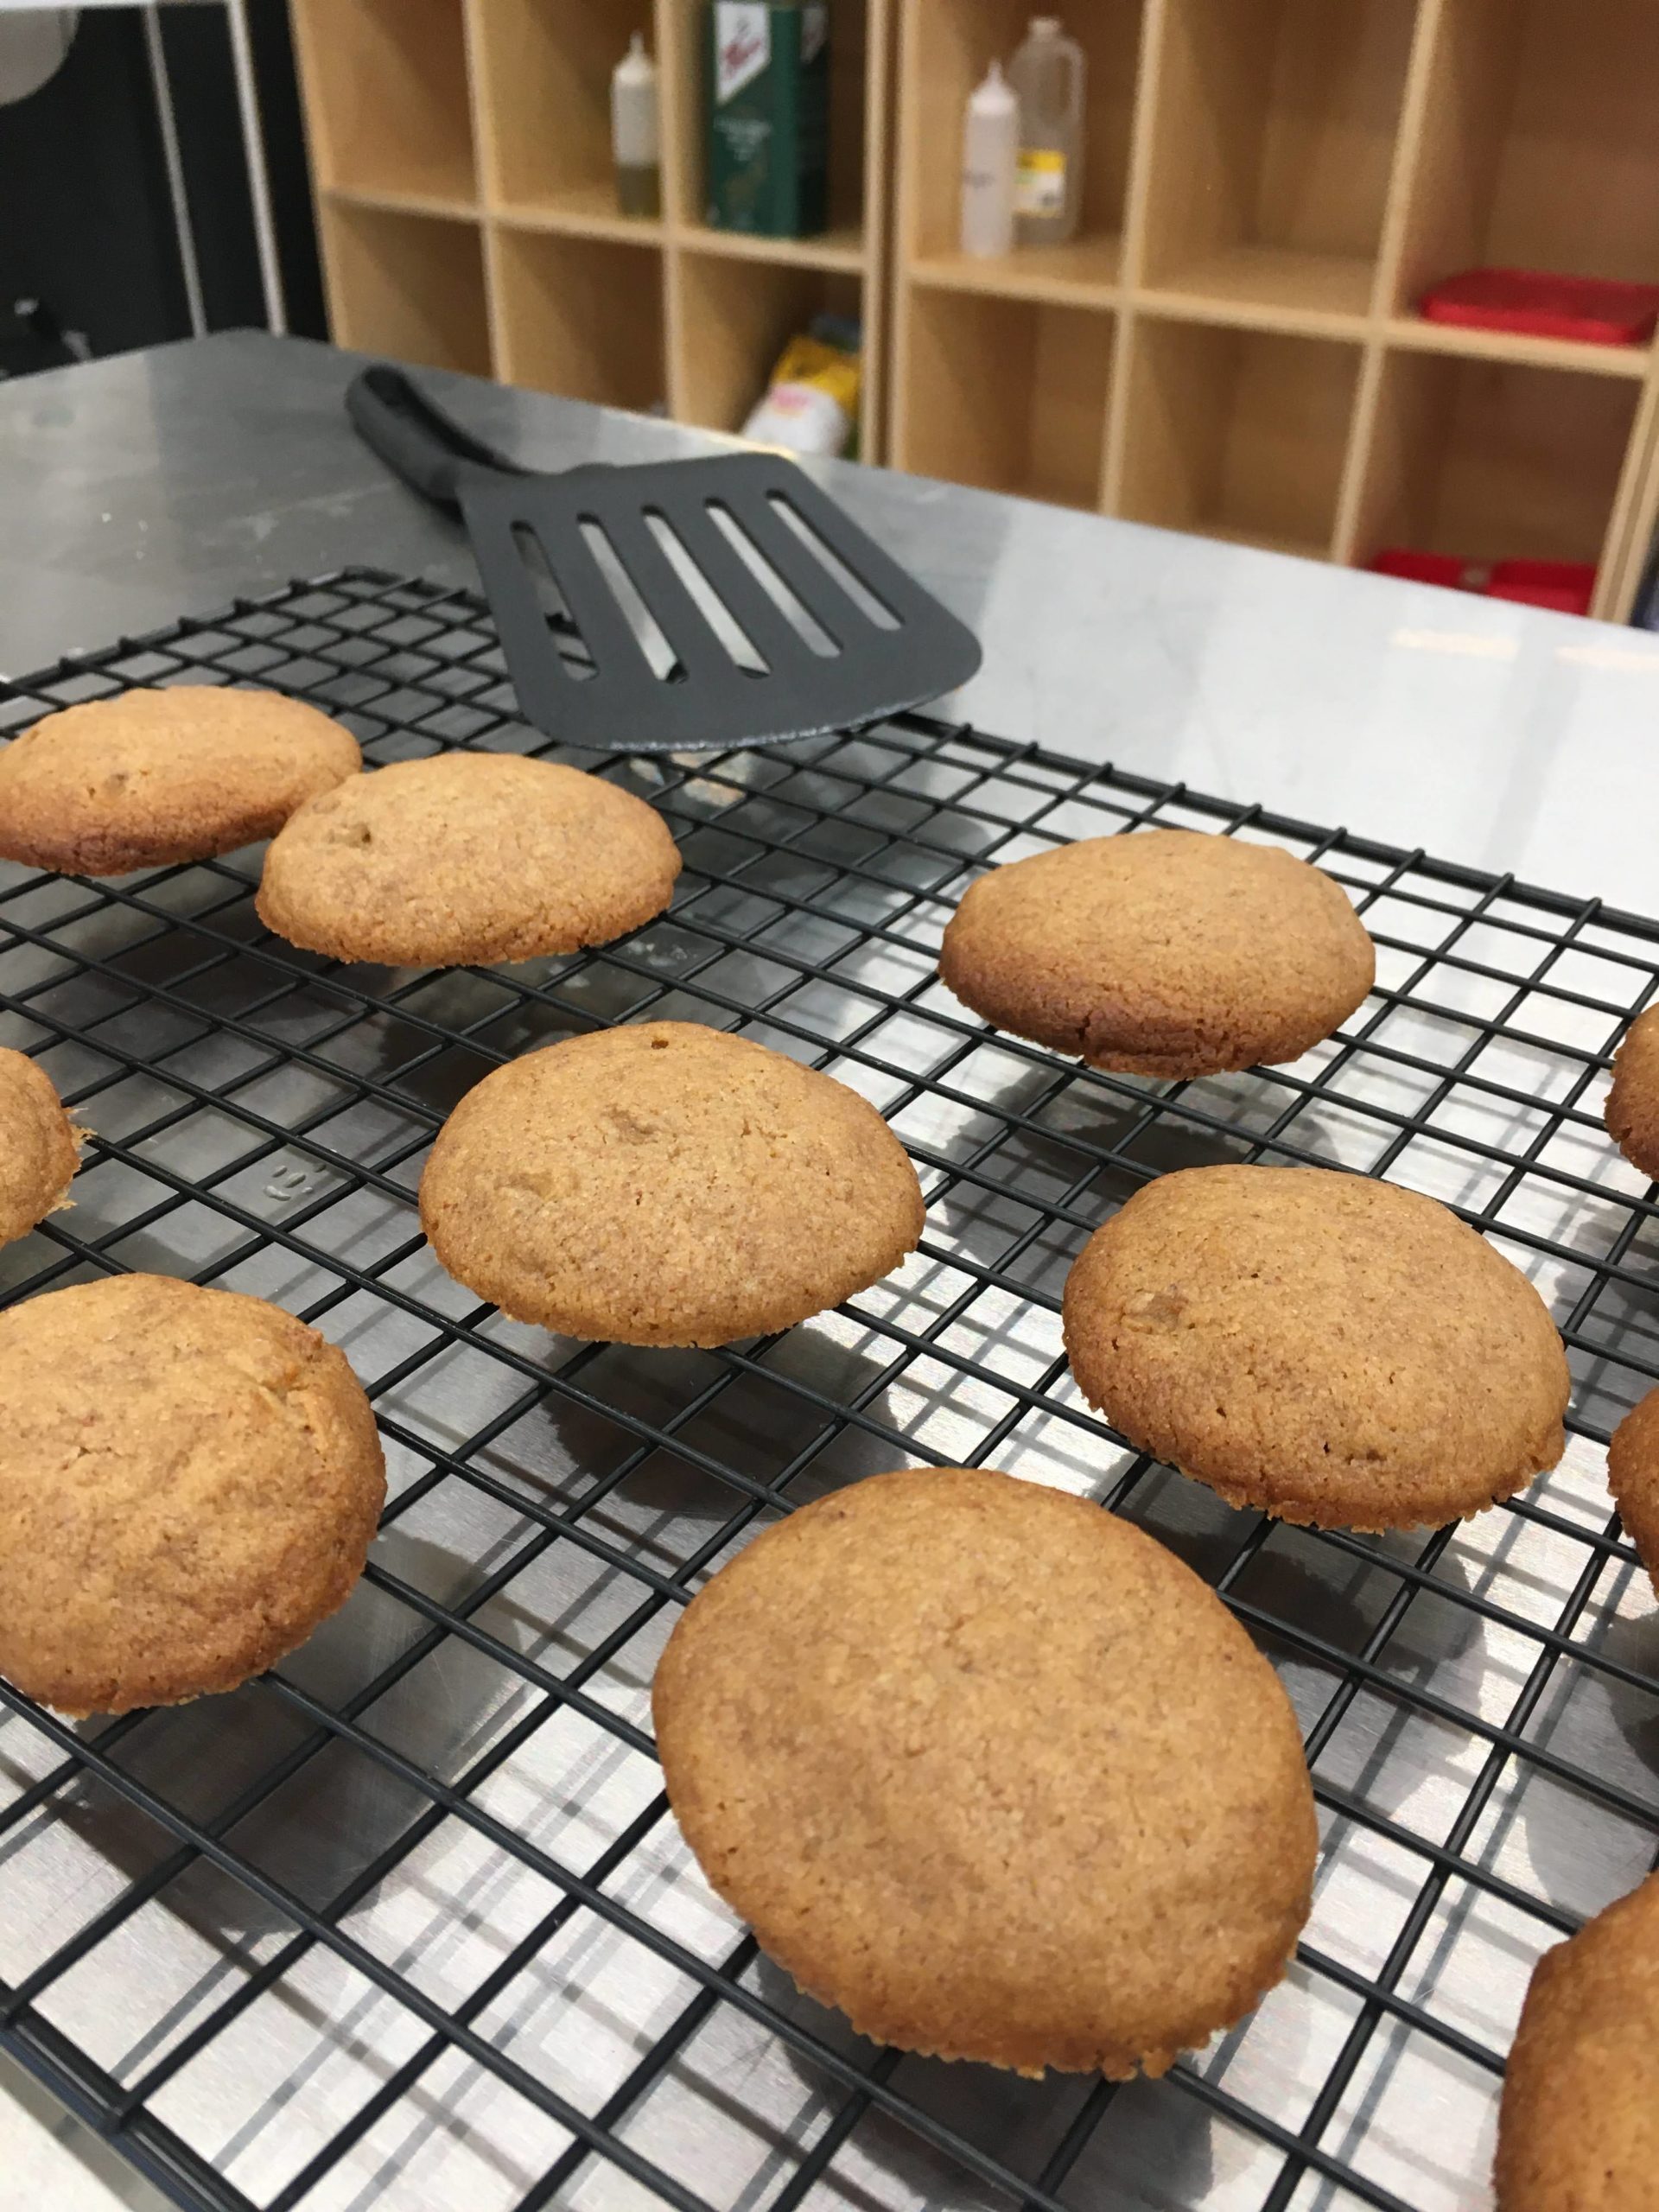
1566,586
1593,309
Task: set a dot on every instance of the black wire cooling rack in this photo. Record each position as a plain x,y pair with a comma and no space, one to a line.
407,1923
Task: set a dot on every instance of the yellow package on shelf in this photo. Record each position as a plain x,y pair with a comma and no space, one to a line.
810,403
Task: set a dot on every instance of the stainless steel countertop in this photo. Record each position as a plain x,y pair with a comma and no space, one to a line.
158,483
137,489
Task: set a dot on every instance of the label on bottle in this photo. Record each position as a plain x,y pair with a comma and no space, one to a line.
742,45
1039,182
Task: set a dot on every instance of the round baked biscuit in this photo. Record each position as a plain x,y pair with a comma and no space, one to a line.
1165,953
1633,1477
190,1480
154,776
38,1146
922,1736
1578,2130
466,856
666,1184
1632,1110
1325,1347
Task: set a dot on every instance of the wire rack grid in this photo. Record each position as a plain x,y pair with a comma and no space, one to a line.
407,1922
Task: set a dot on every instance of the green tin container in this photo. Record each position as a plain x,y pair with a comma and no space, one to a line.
767,80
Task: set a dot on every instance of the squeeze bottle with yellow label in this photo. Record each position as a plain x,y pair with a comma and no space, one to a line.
1048,77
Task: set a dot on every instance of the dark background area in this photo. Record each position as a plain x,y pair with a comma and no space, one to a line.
87,225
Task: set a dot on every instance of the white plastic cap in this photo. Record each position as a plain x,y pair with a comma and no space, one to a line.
1045,27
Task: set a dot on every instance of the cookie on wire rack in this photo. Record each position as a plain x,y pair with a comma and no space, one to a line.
190,1480
1633,1477
1578,2130
1631,1112
466,857
1163,953
924,1735
40,1147
667,1184
149,778
1320,1345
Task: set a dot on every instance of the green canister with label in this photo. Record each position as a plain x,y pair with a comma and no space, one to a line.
767,80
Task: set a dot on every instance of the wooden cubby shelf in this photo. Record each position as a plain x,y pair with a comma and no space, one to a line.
1231,344
1270,186
498,112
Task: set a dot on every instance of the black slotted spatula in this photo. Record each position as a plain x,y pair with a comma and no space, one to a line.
719,602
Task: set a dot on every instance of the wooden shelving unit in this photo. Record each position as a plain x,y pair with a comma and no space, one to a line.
460,157
1231,344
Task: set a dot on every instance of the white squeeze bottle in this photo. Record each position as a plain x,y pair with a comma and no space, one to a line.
990,147
1047,75
634,132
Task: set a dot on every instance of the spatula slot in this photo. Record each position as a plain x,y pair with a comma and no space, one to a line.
794,611
660,656
713,609
868,605
549,595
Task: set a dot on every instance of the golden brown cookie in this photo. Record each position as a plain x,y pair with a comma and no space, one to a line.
466,856
38,1146
154,776
925,1736
1579,2128
1632,1110
1323,1346
1633,1477
665,1183
1165,953
188,1483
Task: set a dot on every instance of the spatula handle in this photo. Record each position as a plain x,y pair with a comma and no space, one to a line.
427,448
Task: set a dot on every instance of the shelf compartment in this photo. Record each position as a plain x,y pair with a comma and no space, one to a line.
737,314
545,76
1536,148
1237,434
948,50
1273,130
850,86
1008,394
407,285
387,101
1493,461
581,317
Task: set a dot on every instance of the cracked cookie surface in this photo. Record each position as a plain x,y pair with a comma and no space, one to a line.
190,1480
1165,952
1323,1346
667,1184
468,857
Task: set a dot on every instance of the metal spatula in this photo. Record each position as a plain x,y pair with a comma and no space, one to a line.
725,601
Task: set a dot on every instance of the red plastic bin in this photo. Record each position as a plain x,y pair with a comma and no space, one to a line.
1595,310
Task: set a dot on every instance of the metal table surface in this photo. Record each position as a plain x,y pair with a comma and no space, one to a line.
134,490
